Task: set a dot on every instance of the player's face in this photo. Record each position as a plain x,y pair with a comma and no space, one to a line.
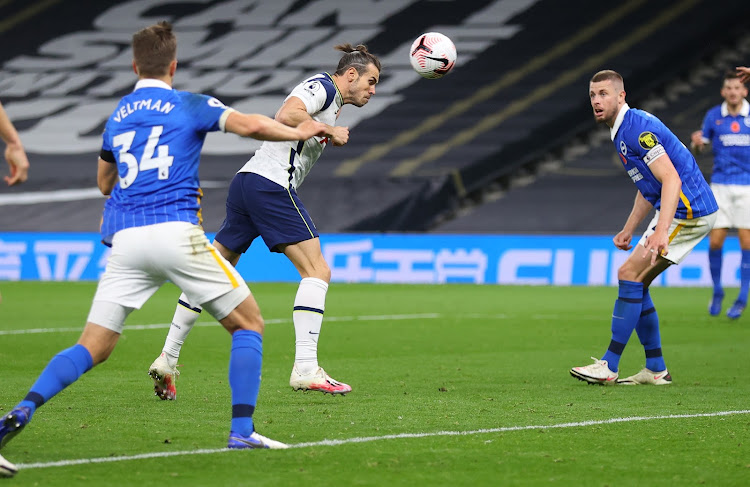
733,91
605,100
363,87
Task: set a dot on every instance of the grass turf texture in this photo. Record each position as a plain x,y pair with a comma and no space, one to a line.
495,356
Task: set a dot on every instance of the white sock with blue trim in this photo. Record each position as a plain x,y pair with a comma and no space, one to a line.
185,316
309,305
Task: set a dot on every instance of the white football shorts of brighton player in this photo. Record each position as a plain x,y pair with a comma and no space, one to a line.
734,205
144,258
684,235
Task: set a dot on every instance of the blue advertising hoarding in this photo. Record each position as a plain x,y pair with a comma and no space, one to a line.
389,258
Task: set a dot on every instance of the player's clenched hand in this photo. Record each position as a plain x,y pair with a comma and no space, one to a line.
744,73
696,139
340,135
622,240
311,128
19,164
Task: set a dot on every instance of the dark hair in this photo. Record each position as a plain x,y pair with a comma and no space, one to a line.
154,48
732,74
356,57
608,75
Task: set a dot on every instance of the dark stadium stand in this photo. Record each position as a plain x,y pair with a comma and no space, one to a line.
591,186
416,152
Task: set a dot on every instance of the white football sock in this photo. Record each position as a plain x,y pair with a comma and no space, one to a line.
185,317
309,305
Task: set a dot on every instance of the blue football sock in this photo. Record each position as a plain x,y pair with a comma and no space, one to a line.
64,369
744,277
624,318
244,378
714,263
648,333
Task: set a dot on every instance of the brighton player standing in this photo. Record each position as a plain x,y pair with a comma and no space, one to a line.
668,179
727,128
152,144
263,201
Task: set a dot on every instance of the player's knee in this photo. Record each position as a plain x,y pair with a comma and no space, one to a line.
245,316
318,269
325,272
239,321
627,272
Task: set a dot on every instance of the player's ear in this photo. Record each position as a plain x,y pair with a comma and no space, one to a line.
135,68
351,73
172,68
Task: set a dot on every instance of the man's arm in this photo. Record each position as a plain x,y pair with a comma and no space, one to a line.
641,208
264,128
293,112
671,185
106,176
15,154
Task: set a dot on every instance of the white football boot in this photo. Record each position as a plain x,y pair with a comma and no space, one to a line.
647,376
317,381
164,377
255,440
596,373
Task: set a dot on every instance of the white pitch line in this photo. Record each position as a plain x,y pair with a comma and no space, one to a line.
154,326
418,316
367,439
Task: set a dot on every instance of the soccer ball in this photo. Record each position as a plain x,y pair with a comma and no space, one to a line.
432,55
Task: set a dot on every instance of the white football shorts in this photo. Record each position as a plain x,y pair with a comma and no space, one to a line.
734,205
684,235
144,258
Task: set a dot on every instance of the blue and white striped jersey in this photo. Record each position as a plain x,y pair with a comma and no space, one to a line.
730,141
640,138
155,136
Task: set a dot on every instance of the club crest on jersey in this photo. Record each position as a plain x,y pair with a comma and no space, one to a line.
213,102
747,121
647,140
623,148
313,86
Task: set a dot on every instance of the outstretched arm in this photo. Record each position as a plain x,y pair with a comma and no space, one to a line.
15,154
293,112
264,128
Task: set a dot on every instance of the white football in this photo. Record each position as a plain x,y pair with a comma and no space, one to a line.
432,55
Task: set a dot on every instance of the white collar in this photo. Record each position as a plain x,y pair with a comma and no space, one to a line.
151,83
744,109
618,121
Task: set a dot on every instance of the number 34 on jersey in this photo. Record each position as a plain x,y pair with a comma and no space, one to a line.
162,162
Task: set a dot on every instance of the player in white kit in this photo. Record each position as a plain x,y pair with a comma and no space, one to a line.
263,202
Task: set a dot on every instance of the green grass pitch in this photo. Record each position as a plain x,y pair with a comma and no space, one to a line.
421,360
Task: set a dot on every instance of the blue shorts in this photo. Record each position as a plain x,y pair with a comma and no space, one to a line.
258,206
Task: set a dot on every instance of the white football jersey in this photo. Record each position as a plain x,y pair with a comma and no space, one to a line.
287,163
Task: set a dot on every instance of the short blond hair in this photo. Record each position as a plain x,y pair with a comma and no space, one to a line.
609,75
